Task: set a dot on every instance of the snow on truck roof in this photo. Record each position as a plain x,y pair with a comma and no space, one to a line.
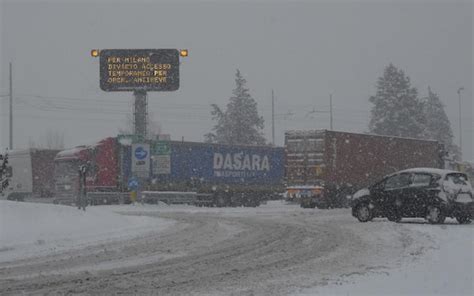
68,153
73,152
321,131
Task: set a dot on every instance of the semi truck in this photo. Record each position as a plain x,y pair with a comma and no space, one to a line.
30,172
343,162
220,175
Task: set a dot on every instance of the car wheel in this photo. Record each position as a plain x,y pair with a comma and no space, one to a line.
435,215
465,219
363,213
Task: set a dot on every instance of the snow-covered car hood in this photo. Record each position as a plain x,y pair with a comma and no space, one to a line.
360,193
461,193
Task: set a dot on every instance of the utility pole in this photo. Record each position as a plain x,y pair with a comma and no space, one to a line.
273,119
330,111
460,127
140,113
11,107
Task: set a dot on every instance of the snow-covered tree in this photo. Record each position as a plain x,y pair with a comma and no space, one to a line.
3,172
397,111
240,122
438,126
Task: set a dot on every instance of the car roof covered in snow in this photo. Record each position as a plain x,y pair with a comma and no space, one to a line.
436,171
304,187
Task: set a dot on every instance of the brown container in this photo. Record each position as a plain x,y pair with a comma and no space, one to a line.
350,159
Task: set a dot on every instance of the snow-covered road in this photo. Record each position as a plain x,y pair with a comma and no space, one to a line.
276,249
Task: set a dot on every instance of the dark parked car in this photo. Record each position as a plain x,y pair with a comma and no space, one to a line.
433,194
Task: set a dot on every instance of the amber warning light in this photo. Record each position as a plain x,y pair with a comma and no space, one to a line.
183,52
95,53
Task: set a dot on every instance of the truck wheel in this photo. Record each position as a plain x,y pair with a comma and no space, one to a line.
464,219
435,215
220,202
363,213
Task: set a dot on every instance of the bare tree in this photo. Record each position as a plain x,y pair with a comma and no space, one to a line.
54,140
50,140
153,127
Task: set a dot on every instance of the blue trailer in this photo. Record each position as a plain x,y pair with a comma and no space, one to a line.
222,175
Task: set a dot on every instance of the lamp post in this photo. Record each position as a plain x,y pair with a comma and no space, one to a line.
460,126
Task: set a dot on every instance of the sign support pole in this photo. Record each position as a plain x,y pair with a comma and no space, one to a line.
140,124
140,113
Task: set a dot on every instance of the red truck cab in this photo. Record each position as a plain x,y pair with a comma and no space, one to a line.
102,160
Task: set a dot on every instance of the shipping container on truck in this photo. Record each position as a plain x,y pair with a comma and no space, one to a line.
222,175
32,172
344,162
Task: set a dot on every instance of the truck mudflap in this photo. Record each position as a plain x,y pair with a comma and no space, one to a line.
169,197
204,200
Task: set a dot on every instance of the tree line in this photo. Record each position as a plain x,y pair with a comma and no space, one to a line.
397,110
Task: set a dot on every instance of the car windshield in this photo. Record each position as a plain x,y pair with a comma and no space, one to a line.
236,147
66,169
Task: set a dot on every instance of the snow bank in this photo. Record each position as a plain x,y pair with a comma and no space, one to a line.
29,229
445,269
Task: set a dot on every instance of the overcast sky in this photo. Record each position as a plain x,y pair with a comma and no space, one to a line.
302,50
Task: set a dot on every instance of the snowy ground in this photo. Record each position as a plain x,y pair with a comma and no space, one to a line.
32,229
276,249
443,265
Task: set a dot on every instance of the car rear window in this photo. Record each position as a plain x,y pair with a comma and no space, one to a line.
456,182
457,178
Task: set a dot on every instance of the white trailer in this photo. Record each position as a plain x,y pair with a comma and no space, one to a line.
31,174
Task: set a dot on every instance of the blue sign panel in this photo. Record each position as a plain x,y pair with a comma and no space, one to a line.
132,183
140,153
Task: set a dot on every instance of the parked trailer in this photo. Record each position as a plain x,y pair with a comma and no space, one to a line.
221,175
344,162
31,173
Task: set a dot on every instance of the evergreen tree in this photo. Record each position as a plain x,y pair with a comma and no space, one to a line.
438,126
240,122
3,172
397,111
